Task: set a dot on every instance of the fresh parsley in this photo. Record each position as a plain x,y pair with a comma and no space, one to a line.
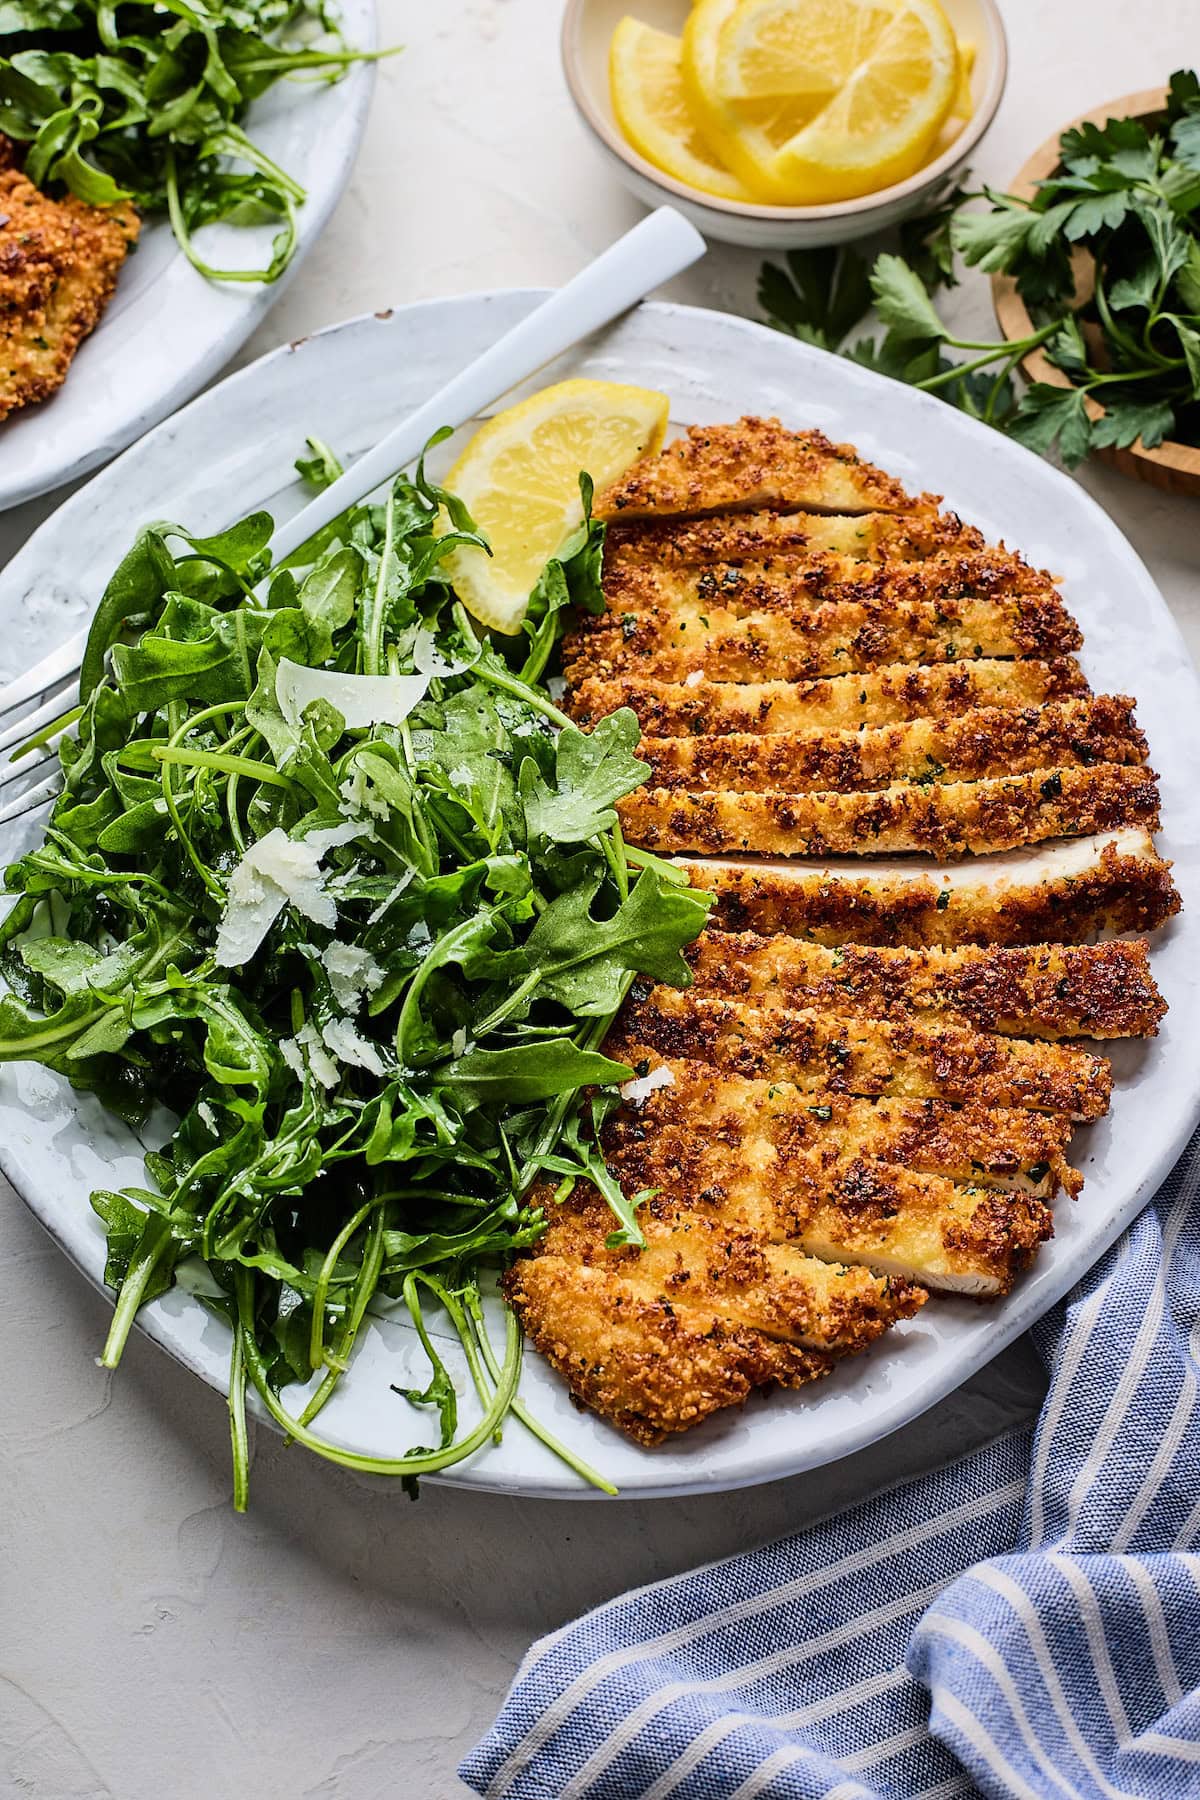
334,881
1128,196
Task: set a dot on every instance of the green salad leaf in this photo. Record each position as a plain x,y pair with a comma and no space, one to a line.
143,105
333,880
1126,194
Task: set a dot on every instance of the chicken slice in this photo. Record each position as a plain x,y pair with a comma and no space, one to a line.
658,1340
741,591
703,1110
894,694
1060,892
59,262
753,464
843,1204
992,742
832,638
771,537
904,1058
1043,990
944,820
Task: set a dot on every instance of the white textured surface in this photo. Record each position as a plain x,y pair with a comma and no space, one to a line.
339,1644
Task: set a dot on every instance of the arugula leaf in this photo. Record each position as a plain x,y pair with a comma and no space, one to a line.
591,771
583,962
527,1072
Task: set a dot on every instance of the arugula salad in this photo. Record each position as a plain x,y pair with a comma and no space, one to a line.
333,881
146,102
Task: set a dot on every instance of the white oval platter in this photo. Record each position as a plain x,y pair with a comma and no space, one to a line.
168,330
347,385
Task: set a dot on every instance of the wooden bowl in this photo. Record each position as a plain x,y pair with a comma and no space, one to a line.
1173,467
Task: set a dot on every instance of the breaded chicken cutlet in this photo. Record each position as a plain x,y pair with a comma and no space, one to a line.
59,262
867,1092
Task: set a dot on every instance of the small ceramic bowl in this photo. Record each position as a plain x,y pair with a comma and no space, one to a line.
587,31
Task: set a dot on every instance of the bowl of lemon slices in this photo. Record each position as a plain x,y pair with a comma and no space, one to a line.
777,123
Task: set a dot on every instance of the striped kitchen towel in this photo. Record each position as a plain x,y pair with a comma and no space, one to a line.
1024,1623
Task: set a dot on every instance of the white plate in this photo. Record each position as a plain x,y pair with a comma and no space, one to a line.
348,384
167,330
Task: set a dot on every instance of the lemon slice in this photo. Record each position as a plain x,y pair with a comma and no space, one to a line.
519,476
652,110
815,101
797,48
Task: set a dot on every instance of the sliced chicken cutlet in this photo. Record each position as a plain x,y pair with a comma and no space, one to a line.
752,465
1044,990
992,741
832,637
944,820
918,1189
822,666
895,694
1060,893
59,262
772,537
909,1058
795,588
658,1340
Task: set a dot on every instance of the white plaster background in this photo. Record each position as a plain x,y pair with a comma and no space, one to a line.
340,1643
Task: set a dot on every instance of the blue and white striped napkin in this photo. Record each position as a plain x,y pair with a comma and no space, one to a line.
1024,1623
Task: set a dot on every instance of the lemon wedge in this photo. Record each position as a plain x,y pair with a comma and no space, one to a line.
652,110
519,477
815,101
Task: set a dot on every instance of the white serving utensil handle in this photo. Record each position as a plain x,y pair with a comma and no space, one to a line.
658,247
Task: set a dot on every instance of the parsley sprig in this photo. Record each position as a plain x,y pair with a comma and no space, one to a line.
145,103
1125,193
365,1102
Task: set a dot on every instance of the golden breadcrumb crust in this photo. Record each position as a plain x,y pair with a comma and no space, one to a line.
658,1341
993,742
830,638
771,538
1123,885
59,261
752,464
895,694
905,1057
742,590
1044,990
944,820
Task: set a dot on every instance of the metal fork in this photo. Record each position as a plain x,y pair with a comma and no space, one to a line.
661,246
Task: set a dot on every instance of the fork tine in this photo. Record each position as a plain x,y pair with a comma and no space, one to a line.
22,770
33,797
23,728
59,666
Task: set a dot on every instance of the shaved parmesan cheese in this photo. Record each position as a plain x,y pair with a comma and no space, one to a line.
360,797
637,1091
342,1040
694,679
276,870
307,1050
362,700
352,972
